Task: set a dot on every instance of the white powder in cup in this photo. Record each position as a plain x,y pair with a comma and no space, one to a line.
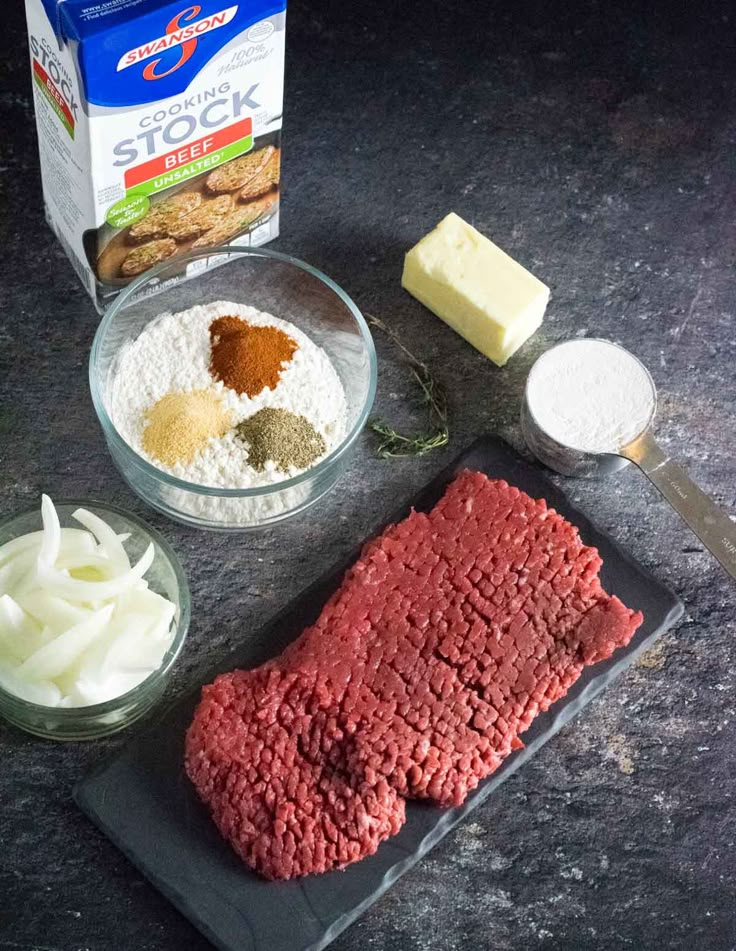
590,395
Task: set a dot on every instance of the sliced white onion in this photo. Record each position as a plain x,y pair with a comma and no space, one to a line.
106,536
86,692
134,647
75,590
20,572
15,570
52,612
44,692
51,542
54,658
20,634
78,624
12,616
161,631
16,546
145,601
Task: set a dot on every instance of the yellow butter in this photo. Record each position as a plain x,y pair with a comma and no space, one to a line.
476,288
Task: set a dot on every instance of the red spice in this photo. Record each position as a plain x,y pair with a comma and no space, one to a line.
247,357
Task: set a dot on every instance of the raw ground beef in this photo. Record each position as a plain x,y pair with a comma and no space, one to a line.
445,639
267,755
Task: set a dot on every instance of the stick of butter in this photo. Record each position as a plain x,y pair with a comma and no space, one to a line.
476,288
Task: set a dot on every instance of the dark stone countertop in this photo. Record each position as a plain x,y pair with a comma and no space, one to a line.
596,143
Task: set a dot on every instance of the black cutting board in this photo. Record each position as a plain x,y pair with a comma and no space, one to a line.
143,801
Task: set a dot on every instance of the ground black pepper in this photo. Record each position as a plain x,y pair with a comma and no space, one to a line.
283,437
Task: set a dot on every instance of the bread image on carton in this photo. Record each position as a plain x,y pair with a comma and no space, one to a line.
159,127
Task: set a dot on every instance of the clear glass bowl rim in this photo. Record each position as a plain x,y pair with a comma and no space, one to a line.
94,710
213,491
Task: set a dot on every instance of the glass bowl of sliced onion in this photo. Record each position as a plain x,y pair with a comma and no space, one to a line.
94,611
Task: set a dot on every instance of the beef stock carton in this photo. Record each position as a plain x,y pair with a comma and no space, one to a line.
159,127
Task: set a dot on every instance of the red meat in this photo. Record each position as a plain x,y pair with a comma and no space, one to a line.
445,639
266,754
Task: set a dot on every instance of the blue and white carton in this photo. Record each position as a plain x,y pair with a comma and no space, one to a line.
159,127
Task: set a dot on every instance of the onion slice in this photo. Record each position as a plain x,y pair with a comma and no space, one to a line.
73,589
106,536
51,542
55,613
17,546
44,692
58,655
20,635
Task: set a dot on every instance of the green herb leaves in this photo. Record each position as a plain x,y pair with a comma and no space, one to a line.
394,444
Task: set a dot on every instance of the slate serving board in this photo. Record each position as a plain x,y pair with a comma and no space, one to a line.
143,801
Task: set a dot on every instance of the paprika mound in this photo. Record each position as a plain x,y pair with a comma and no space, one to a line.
248,358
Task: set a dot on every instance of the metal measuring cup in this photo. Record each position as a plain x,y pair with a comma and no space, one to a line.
708,520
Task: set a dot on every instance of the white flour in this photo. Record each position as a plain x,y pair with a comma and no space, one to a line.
173,354
590,395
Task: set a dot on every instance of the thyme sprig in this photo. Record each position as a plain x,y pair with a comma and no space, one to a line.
394,444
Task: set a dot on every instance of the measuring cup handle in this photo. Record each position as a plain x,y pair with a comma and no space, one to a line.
709,521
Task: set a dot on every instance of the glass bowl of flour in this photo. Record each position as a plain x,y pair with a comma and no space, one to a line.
226,431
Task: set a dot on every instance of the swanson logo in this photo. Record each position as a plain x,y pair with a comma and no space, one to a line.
183,31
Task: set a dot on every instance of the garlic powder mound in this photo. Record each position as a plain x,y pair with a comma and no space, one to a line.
179,425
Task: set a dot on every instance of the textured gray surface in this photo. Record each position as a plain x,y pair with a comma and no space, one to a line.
597,147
